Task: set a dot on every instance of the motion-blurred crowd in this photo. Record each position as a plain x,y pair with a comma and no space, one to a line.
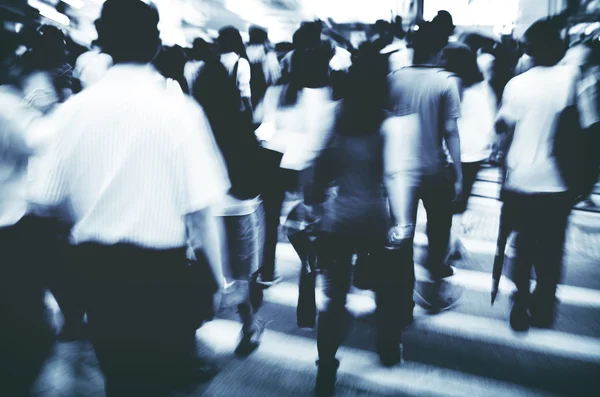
143,185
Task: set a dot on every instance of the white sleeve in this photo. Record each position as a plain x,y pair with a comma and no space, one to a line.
243,78
202,175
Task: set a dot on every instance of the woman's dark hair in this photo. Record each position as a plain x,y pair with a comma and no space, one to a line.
309,69
460,60
363,106
544,44
230,40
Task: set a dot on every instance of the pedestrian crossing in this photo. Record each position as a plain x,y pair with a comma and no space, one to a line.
361,367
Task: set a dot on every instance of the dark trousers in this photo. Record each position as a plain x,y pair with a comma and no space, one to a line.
335,263
143,311
26,336
470,171
62,275
276,183
540,221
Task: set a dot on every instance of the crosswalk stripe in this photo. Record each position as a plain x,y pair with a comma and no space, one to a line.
463,326
296,352
482,282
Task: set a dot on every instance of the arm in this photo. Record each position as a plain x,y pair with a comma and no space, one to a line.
451,112
206,236
202,181
453,143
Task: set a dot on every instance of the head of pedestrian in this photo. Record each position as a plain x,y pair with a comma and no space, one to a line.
365,99
309,69
427,42
444,22
49,48
230,40
462,62
128,31
544,44
258,36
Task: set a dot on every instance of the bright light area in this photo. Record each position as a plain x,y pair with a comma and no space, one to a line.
351,11
475,12
49,12
77,4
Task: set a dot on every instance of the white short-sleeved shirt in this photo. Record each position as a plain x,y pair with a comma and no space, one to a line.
131,158
533,102
243,74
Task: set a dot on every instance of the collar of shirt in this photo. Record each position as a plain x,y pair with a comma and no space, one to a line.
131,74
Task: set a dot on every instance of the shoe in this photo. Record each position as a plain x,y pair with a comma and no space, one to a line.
519,317
326,378
390,356
251,341
437,297
446,271
72,331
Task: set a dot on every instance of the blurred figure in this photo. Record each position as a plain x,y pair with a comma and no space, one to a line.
235,59
200,51
26,335
536,194
357,216
425,106
297,118
218,91
397,51
444,25
92,66
140,174
475,126
170,62
49,55
265,68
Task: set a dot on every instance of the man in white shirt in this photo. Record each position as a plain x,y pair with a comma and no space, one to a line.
535,191
139,169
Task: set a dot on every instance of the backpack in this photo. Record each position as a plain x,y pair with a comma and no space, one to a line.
217,92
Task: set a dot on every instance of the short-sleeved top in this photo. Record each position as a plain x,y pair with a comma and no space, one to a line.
430,95
131,158
229,60
533,102
359,208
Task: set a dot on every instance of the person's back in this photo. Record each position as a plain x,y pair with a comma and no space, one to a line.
114,126
359,205
428,92
535,101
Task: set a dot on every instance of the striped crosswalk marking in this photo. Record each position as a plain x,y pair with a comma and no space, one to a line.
482,282
360,366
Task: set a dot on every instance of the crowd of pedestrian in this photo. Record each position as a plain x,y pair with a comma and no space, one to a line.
143,184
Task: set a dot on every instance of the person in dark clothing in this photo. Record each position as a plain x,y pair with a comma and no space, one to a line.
26,334
357,216
170,62
49,55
